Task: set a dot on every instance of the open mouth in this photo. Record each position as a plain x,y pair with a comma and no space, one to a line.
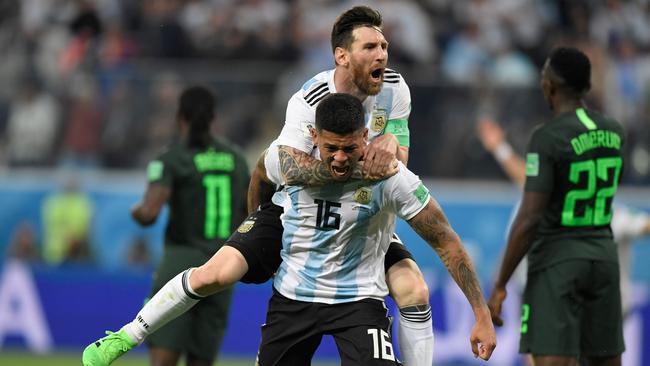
340,171
377,74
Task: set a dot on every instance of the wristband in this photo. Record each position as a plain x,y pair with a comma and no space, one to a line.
502,152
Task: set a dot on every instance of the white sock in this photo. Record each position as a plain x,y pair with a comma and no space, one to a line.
415,332
172,300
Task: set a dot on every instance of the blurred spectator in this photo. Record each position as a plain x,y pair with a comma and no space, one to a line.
83,124
85,28
159,123
620,19
627,77
67,217
115,52
13,49
161,34
408,30
252,48
32,125
24,244
120,141
512,68
465,60
139,256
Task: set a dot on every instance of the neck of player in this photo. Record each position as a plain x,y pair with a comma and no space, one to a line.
344,83
564,105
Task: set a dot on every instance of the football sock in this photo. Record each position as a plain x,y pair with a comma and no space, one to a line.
172,300
416,335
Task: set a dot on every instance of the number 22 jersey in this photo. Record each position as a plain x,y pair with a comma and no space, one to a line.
576,158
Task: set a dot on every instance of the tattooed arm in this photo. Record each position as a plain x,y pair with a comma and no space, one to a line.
432,226
299,168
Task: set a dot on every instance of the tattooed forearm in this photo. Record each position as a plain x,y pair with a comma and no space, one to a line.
468,282
299,168
432,225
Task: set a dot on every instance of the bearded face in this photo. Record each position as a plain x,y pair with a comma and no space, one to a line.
369,79
368,57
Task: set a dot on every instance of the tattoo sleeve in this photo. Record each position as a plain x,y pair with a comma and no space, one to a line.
432,226
299,168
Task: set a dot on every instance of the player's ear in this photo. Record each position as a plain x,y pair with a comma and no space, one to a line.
341,56
314,136
365,135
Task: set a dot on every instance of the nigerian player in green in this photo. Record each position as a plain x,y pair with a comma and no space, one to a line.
204,180
572,303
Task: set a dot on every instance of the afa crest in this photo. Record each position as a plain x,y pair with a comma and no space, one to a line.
363,195
246,226
379,119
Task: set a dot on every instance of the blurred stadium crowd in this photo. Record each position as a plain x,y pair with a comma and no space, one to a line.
93,83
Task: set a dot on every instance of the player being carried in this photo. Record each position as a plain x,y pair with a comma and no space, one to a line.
252,254
331,279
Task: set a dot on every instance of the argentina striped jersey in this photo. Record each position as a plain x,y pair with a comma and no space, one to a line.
393,103
335,237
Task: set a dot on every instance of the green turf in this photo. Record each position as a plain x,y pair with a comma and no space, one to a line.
10,358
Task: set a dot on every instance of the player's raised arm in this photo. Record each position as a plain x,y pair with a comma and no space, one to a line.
432,225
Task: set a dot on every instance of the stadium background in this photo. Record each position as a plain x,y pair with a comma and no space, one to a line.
87,97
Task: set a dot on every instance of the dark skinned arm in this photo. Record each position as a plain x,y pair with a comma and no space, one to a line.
146,211
432,226
260,188
520,239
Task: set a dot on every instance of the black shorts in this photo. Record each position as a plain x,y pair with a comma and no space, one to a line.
294,329
259,240
573,308
396,252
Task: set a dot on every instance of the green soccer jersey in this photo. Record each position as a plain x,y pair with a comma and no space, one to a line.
576,158
208,193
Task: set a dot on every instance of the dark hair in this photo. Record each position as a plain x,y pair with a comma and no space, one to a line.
350,20
573,66
340,113
196,107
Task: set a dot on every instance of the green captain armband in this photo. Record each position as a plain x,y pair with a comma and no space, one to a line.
399,128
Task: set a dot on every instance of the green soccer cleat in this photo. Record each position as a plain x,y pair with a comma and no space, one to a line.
108,349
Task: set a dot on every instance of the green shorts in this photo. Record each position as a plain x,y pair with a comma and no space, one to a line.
200,330
573,308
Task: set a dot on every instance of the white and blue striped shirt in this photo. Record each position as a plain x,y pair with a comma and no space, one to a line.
335,237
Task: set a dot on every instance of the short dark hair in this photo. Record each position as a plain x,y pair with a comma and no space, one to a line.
359,16
340,113
196,107
573,66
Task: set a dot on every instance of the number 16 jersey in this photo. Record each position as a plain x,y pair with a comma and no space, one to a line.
335,237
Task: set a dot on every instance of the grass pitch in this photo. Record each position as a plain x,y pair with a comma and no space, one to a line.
13,358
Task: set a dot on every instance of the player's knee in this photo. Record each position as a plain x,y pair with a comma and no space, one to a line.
419,292
206,280
414,292
406,284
